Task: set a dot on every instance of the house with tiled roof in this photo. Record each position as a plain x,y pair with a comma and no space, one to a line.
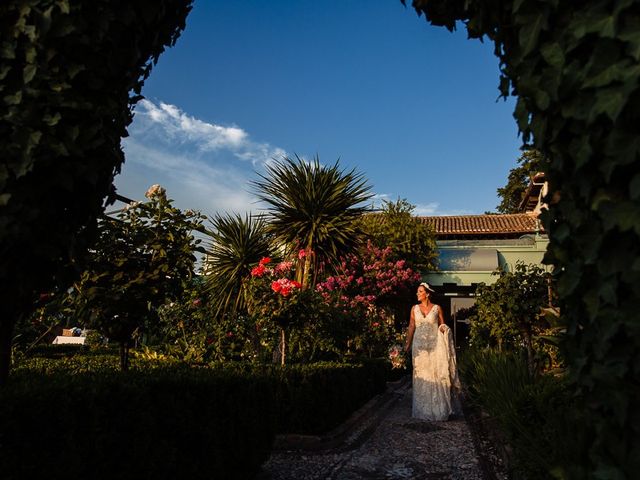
472,247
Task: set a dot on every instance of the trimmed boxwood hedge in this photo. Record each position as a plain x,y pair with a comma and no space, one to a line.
315,398
77,415
173,422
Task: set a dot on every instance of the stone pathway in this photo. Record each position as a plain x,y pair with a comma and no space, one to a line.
384,443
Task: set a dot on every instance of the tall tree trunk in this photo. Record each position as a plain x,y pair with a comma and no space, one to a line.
124,356
527,342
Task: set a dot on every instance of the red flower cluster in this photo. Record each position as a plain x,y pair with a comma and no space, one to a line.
284,286
258,271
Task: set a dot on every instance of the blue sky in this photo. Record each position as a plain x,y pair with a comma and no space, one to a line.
411,106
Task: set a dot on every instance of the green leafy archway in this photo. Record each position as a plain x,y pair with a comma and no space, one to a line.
576,72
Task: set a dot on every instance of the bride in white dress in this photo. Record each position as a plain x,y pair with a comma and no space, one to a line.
435,377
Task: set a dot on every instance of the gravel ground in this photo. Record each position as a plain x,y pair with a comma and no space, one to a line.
382,441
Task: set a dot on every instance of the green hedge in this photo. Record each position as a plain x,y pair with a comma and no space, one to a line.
80,417
316,398
174,422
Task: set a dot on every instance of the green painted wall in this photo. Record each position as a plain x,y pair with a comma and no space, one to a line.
528,249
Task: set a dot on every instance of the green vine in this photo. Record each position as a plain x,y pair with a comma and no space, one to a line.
576,72
70,72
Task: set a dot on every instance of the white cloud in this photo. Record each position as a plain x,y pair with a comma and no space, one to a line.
177,124
427,210
203,166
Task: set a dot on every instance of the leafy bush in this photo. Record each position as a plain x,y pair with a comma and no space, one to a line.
536,413
173,422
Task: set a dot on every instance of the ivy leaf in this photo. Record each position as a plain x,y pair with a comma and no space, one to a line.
542,99
530,32
52,120
29,72
631,35
609,101
617,72
623,215
608,291
14,99
553,54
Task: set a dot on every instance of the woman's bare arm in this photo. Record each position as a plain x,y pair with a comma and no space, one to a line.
410,330
440,319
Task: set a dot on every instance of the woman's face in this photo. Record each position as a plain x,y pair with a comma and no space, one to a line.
421,293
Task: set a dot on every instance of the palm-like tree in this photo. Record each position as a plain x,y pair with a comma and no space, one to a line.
238,243
313,207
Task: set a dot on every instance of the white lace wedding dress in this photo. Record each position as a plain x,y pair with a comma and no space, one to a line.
435,378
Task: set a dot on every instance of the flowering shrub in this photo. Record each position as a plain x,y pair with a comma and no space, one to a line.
367,289
396,356
370,277
273,294
275,300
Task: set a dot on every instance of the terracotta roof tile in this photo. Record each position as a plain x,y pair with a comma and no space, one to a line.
481,225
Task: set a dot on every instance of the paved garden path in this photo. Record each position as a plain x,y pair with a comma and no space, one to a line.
383,442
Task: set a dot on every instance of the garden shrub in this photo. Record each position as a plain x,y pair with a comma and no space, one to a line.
537,414
177,422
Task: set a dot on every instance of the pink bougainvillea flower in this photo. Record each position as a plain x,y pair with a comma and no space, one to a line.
229,334
264,260
197,302
276,286
302,254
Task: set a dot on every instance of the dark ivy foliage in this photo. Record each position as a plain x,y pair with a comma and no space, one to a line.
576,73
70,73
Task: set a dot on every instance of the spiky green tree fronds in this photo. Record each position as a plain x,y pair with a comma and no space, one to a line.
313,207
238,243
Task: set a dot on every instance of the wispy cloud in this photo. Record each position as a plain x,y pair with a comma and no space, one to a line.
183,129
202,165
426,210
